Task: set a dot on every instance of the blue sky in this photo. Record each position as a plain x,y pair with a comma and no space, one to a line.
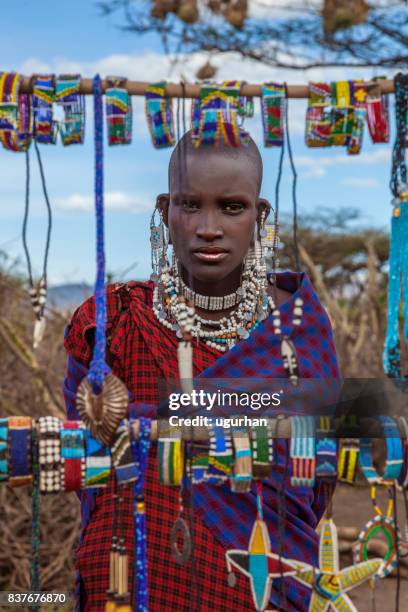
61,37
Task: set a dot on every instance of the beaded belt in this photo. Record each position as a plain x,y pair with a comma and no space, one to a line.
72,455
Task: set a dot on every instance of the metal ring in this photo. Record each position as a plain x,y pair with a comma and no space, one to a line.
183,555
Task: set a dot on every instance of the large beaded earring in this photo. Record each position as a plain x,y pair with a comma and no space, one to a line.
159,241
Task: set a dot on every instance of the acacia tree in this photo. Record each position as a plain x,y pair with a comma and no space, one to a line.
295,34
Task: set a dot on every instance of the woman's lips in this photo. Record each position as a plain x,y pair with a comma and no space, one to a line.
210,256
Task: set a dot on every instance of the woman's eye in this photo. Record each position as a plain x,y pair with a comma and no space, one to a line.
190,205
233,206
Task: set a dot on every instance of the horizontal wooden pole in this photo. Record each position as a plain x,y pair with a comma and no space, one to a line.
192,90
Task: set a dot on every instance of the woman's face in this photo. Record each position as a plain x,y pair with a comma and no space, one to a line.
211,214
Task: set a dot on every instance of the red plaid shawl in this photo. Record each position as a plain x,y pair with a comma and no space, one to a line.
141,352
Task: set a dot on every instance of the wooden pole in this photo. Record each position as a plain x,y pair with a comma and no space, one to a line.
192,90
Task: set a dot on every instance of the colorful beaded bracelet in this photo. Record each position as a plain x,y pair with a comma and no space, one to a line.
126,469
303,451
159,115
19,440
214,115
394,458
45,128
378,120
72,128
98,462
4,470
72,455
15,113
326,450
118,105
273,102
241,477
170,456
49,454
262,451
220,457
348,459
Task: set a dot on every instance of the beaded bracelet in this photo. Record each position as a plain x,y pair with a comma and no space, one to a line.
215,115
67,95
118,106
45,128
262,451
19,440
241,478
72,436
303,451
15,113
126,469
318,121
49,450
394,459
378,115
198,467
98,462
220,457
272,108
4,471
326,450
170,456
358,99
159,115
348,459
403,427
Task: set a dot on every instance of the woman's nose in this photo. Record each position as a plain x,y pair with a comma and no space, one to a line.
209,227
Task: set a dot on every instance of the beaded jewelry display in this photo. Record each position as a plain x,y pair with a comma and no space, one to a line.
4,470
328,582
102,399
72,128
118,112
303,451
73,463
45,128
394,457
15,114
49,452
159,115
220,457
19,434
398,263
241,477
258,563
272,102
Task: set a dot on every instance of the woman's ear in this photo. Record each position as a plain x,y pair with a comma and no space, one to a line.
162,204
264,209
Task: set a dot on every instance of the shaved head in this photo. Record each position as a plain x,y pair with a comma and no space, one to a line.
185,148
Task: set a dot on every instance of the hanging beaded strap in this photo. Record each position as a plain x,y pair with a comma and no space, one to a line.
102,399
272,105
378,115
19,440
342,113
348,459
159,115
140,451
15,114
262,450
241,478
398,264
126,468
67,95
118,112
303,451
170,455
359,95
73,462
98,462
49,449
381,523
318,120
220,457
4,463
326,450
403,427
394,458
45,128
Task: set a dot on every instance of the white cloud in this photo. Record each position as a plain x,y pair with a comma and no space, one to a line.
114,200
360,182
316,167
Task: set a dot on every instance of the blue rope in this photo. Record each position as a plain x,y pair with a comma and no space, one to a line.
140,452
98,366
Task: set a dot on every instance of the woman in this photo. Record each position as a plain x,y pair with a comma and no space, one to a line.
212,212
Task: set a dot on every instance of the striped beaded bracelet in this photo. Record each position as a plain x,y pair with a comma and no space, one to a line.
348,459
303,451
220,457
170,456
19,440
241,478
72,436
4,470
262,451
326,450
49,454
97,463
159,115
126,469
394,458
